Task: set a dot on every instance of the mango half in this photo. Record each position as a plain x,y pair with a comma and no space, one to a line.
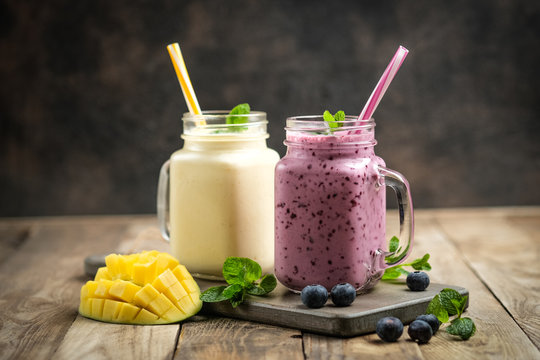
150,287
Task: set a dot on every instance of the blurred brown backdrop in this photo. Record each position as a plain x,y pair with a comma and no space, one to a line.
90,106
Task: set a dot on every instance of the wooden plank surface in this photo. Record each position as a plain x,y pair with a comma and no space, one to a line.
498,335
12,236
482,250
504,252
318,347
221,338
40,285
96,340
89,339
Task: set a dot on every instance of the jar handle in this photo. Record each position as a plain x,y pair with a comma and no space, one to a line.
163,200
400,185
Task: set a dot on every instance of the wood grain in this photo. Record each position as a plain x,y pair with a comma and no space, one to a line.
497,334
12,236
40,283
41,275
220,338
317,347
504,251
89,339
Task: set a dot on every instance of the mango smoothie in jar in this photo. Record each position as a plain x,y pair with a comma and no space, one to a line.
216,194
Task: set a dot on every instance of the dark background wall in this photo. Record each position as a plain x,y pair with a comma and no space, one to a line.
90,106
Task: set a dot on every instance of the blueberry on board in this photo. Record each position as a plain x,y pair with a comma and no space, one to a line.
431,320
389,328
343,294
420,331
314,296
418,281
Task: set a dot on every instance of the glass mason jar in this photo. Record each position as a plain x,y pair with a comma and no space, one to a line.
216,194
330,206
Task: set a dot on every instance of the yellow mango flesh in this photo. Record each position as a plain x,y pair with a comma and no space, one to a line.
144,288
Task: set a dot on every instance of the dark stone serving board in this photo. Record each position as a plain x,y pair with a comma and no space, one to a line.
284,308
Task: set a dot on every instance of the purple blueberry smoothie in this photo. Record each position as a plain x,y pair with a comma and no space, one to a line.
330,210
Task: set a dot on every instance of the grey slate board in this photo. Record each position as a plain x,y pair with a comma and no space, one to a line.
284,308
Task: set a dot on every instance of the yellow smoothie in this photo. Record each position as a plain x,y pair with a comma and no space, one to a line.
222,201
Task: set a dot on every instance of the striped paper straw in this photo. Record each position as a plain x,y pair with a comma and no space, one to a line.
383,83
183,79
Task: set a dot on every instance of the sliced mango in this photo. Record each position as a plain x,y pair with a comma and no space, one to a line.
144,288
124,290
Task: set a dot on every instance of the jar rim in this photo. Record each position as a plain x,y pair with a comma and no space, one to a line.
316,123
218,114
313,129
214,123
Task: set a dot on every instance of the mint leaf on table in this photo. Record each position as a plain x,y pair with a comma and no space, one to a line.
421,264
268,283
435,307
241,109
396,271
462,327
214,294
393,273
232,290
241,271
446,296
450,299
242,275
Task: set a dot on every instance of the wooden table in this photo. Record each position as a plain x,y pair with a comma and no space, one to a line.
493,252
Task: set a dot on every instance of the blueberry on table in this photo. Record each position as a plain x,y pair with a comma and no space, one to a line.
418,281
420,331
343,294
389,328
314,296
431,320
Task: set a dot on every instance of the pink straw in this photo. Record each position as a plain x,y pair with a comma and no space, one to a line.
383,83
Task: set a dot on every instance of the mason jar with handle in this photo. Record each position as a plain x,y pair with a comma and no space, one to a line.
330,206
216,194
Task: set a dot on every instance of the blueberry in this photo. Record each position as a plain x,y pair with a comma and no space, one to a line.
314,296
343,294
420,330
418,281
389,329
431,320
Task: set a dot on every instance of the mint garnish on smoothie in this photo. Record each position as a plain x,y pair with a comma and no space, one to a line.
241,109
332,120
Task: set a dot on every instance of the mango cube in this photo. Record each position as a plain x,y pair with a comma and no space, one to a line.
111,309
146,317
103,273
102,289
127,313
160,305
124,290
97,307
144,273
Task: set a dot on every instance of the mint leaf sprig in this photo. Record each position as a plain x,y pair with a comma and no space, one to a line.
449,303
332,120
242,275
391,273
240,109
